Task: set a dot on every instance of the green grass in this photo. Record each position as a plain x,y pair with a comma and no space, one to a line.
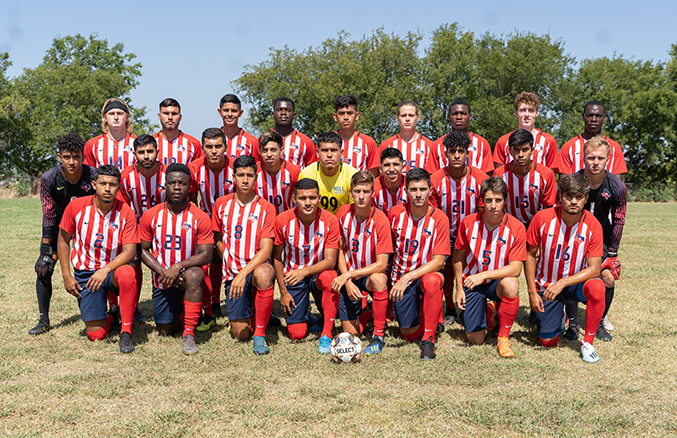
60,384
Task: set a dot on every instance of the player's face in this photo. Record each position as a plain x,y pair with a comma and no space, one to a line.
169,116
146,154
307,201
407,117
459,117
573,204
106,188
283,113
521,153
116,118
526,114
594,118
177,185
493,203
271,153
329,154
596,159
230,113
71,162
362,194
245,178
418,193
392,168
214,149
346,117
457,157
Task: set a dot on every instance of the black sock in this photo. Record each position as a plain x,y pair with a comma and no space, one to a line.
571,307
608,298
43,289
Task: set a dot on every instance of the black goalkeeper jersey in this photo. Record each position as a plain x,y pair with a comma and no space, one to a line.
56,193
608,204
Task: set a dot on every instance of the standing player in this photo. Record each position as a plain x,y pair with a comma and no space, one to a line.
243,230
488,257
421,244
331,173
456,191
176,241
545,146
564,255
239,142
104,236
479,151
298,148
366,244
389,188
275,176
304,255
114,146
175,146
571,157
415,147
58,187
607,202
359,150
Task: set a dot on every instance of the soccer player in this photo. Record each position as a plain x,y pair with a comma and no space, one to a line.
103,231
332,174
175,146
607,201
239,142
304,255
389,188
243,230
114,146
415,147
571,157
366,244
564,255
421,244
456,191
531,185
479,151
275,176
489,252
359,150
58,187
176,241
298,148
545,147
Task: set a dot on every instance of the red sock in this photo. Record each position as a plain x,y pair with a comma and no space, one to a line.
380,307
594,290
99,335
330,300
191,316
507,311
432,304
551,343
412,337
138,270
112,299
297,331
263,303
207,292
216,278
364,319
126,279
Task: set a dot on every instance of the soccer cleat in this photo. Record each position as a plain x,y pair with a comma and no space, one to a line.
375,346
572,332
138,316
603,334
325,344
42,327
492,319
607,324
450,317
260,347
440,328
314,325
588,352
126,345
274,321
216,310
427,350
504,347
206,322
189,346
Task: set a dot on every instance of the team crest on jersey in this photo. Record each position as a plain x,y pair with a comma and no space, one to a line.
605,194
285,183
113,227
182,148
319,234
339,190
471,190
186,226
241,147
502,241
367,232
580,237
295,146
427,232
253,217
161,187
532,185
85,186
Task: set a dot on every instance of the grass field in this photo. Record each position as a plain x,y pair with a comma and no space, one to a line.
60,384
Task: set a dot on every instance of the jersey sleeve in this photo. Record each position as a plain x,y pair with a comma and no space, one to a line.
564,163
551,154
534,232
333,230
267,231
205,235
384,238
596,247
434,199
48,212
487,160
372,159
442,244
462,235
618,213
129,232
146,227
68,219
619,160
89,153
518,249
193,178
550,192
217,223
499,151
278,230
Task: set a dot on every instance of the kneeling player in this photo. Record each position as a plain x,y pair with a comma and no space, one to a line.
564,255
366,243
309,239
490,249
243,230
104,242
421,244
180,237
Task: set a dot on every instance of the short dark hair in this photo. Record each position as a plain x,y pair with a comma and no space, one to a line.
178,167
244,161
306,184
107,170
329,137
417,174
391,153
71,142
574,184
520,137
169,102
456,139
230,98
143,140
593,102
405,103
459,102
271,137
496,185
344,101
212,133
285,99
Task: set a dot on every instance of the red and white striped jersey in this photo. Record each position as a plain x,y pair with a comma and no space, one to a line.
490,250
243,228
141,192
416,152
533,192
571,157
417,241
304,245
479,153
383,199
456,199
102,150
97,238
298,149
564,250
242,143
174,238
360,152
545,150
363,241
184,149
210,185
279,188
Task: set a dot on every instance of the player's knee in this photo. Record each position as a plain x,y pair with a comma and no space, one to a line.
431,282
297,331
410,336
265,276
325,278
594,290
509,287
97,335
549,342
476,338
379,281
193,276
241,330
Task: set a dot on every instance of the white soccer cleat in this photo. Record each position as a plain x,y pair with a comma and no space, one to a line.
607,324
588,352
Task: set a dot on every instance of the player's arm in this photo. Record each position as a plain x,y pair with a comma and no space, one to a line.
434,265
458,260
346,276
295,276
123,258
63,248
150,260
592,271
286,300
535,301
237,285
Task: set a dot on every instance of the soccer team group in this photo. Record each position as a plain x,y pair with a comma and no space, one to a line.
418,225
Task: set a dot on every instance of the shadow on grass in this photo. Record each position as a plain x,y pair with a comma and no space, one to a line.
66,322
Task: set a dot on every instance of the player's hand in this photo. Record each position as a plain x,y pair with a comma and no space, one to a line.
472,281
72,286
295,277
613,265
96,280
536,303
171,275
339,282
460,299
552,291
354,293
237,286
397,291
287,303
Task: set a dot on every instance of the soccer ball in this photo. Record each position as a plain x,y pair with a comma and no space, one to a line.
346,348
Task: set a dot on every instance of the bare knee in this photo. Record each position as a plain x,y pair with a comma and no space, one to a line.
508,287
241,329
477,338
264,276
378,281
168,329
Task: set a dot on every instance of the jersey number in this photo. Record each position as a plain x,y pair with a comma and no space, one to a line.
99,239
146,201
457,206
275,200
306,250
522,201
329,203
355,247
486,257
238,232
410,245
173,242
564,255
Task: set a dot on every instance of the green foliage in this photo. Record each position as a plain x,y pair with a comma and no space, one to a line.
652,193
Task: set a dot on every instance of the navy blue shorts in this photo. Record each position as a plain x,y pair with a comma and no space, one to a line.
475,314
300,292
167,305
242,307
549,322
350,310
408,309
93,304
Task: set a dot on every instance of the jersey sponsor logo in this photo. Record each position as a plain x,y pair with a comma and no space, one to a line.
339,190
605,194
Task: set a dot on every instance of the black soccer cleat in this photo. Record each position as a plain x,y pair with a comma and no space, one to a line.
125,342
42,327
440,328
603,334
115,325
572,332
216,310
427,350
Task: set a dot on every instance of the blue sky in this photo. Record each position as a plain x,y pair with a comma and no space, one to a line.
193,50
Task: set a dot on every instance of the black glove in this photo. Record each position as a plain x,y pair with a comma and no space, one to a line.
45,264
